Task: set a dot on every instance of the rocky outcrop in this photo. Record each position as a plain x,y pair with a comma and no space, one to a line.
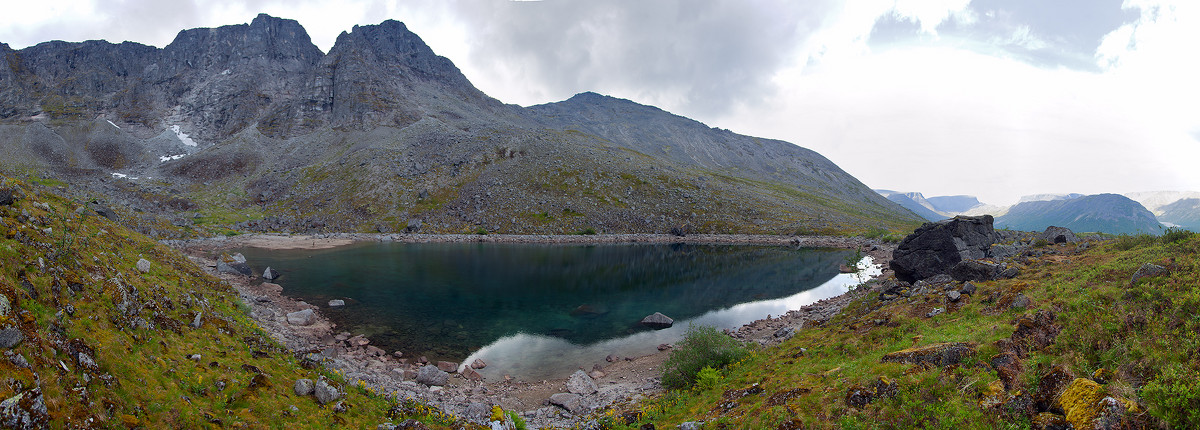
936,247
1054,234
431,375
938,354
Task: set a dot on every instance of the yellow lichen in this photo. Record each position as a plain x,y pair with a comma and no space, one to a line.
994,395
1081,402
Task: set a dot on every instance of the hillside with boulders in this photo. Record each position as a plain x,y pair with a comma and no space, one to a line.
251,127
1045,331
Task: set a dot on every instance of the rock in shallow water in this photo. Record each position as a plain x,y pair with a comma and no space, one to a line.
657,321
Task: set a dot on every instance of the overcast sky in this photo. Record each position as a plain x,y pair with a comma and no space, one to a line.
994,98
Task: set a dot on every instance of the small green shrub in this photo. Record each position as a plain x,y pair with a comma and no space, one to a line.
1041,243
1174,235
1127,242
481,231
1174,397
708,378
587,231
702,346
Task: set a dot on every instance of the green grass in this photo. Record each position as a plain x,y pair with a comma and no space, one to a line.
141,342
1145,335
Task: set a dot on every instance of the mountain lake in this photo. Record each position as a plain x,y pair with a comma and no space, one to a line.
538,311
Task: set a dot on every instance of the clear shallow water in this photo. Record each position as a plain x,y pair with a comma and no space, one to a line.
539,311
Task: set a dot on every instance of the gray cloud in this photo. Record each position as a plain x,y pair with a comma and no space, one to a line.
701,56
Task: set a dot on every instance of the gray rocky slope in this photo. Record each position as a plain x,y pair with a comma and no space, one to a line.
252,124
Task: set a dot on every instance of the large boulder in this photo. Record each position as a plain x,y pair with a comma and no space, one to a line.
234,268
304,317
573,403
431,375
657,321
937,246
938,354
326,393
581,383
1055,234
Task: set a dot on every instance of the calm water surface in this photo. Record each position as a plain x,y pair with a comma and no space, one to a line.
538,311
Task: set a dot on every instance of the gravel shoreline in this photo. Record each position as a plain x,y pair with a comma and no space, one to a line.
623,379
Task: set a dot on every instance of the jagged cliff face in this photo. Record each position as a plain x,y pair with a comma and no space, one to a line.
254,123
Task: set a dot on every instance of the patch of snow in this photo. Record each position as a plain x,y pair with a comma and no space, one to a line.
226,72
183,137
114,125
166,158
123,176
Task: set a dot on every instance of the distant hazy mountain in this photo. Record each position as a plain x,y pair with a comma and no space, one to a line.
954,204
1182,213
1155,200
1105,213
914,202
1048,197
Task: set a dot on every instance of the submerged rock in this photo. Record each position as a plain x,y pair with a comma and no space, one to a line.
337,303
657,321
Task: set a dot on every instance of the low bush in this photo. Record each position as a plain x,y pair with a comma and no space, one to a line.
1175,235
1127,242
702,346
1174,396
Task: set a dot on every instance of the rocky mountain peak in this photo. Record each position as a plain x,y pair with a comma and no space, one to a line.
266,38
393,46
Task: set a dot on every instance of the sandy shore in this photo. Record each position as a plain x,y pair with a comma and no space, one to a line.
622,379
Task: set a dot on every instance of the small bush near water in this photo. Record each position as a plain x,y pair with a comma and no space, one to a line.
701,347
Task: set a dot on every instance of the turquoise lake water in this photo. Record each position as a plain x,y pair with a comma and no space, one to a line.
538,311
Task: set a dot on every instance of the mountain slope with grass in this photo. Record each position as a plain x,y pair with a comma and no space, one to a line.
1103,213
102,327
251,127
1089,335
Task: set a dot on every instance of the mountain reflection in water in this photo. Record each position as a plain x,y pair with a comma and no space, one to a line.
536,311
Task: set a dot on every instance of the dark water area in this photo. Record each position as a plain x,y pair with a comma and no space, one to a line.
451,300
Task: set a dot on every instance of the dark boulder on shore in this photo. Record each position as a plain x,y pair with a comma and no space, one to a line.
936,247
657,321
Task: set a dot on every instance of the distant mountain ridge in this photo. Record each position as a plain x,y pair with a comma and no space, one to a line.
1105,213
252,125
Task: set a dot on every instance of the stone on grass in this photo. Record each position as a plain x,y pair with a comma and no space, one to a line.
937,246
938,354
1147,270
302,318
1055,234
303,387
953,296
10,337
143,265
326,393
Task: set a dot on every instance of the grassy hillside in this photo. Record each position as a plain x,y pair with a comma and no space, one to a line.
1086,334
100,343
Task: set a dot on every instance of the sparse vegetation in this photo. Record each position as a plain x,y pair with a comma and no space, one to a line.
701,347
